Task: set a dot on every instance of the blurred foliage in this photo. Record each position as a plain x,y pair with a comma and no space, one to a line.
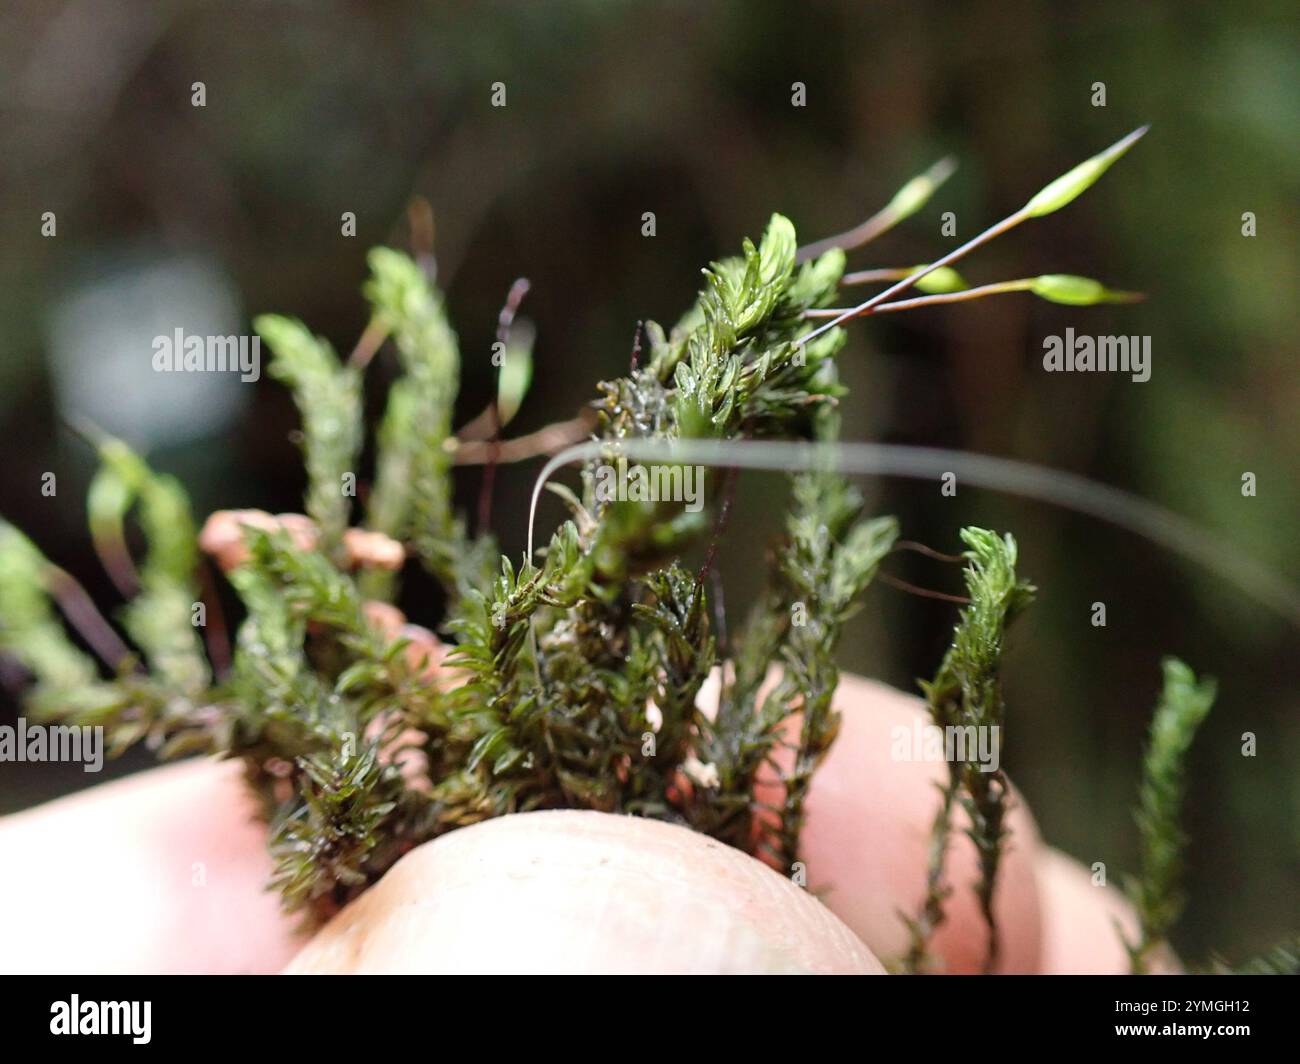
685,110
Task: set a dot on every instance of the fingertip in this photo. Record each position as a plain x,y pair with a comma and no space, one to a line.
581,892
1083,920
164,871
867,836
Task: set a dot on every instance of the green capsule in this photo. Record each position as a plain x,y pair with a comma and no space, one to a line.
937,282
1069,185
916,193
1077,291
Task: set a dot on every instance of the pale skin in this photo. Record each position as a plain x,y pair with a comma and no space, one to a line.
166,872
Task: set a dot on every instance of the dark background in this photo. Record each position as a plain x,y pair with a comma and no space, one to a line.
175,214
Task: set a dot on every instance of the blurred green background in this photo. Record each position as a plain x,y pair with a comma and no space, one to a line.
168,215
